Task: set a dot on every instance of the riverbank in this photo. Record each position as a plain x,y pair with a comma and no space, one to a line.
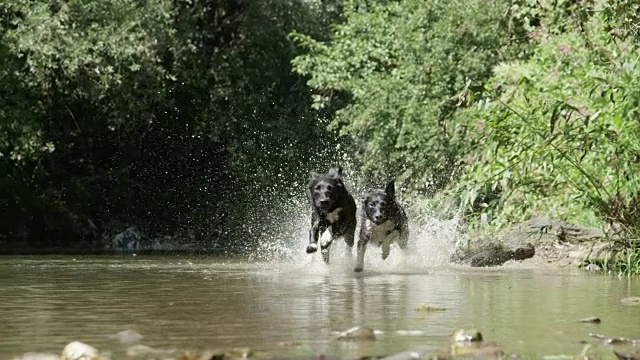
557,242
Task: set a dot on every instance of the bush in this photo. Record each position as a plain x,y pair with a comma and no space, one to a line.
561,131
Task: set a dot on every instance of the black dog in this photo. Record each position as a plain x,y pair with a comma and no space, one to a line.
383,222
332,208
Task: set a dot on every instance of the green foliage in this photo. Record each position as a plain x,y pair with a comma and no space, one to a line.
627,263
398,71
169,115
559,131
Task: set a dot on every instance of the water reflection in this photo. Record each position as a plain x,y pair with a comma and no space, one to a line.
204,303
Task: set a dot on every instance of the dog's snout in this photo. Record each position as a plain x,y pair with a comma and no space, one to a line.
324,202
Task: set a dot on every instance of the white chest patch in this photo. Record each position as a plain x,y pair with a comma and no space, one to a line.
382,234
333,216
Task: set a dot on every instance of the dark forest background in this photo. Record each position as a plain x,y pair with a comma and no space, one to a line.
194,119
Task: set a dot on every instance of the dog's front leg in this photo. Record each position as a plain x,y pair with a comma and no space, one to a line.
403,240
362,246
326,239
386,243
349,238
314,233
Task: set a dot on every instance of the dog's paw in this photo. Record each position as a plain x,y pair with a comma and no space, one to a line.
325,245
312,248
358,269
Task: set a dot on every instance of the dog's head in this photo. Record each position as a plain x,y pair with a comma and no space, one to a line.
325,189
378,205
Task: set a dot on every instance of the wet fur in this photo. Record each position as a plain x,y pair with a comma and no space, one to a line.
383,222
333,209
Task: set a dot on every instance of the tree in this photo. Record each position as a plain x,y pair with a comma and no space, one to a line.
402,69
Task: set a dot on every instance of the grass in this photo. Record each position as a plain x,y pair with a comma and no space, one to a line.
626,265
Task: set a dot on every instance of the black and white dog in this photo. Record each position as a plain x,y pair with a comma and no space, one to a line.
333,209
383,221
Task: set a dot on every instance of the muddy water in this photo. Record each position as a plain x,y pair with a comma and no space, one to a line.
194,303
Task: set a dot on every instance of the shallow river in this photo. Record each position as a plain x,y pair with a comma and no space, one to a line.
196,303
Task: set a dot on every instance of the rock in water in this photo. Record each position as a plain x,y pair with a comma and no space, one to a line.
494,252
77,350
591,319
592,268
626,355
466,335
358,333
405,355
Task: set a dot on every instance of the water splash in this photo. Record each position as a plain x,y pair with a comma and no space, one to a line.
431,243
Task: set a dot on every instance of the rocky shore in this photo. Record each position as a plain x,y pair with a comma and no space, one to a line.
463,344
553,241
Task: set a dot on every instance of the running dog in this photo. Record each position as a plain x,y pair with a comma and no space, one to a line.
333,209
383,221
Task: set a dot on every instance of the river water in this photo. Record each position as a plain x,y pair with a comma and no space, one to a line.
295,308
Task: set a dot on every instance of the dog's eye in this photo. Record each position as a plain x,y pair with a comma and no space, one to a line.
329,187
318,187
382,203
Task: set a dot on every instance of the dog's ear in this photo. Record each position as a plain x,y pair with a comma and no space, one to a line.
390,190
309,195
336,172
313,175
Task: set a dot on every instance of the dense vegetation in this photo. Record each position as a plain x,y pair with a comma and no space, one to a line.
190,118
179,117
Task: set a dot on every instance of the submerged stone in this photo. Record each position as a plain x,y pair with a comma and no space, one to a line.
218,354
633,300
477,350
77,350
144,350
126,336
358,333
427,308
591,319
